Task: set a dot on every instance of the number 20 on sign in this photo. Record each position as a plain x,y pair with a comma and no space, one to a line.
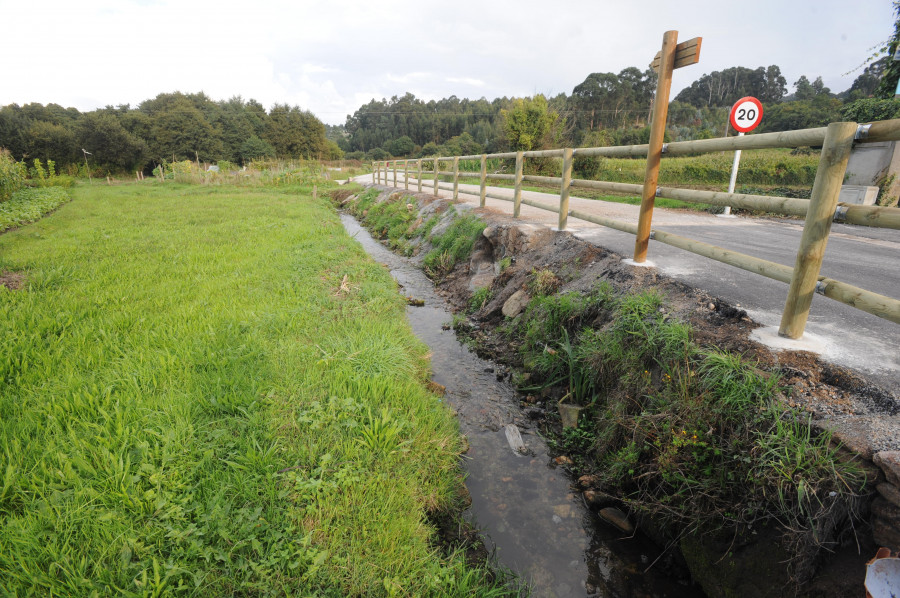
746,114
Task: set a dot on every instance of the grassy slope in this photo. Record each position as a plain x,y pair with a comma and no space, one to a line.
189,403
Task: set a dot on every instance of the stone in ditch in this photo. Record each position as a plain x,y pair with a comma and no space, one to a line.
586,481
890,492
515,304
617,519
889,462
591,497
514,438
886,523
564,461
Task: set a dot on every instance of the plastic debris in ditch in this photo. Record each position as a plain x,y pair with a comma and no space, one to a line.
883,575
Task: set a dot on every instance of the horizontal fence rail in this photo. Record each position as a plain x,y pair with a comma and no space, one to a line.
819,211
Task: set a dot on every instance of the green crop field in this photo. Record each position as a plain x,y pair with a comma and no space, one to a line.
213,391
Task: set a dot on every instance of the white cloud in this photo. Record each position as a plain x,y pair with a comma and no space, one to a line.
331,57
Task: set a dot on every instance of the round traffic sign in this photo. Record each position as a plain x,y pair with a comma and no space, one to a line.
746,114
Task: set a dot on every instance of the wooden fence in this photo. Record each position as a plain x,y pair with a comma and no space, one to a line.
819,211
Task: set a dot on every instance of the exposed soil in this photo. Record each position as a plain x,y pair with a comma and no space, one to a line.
863,416
13,281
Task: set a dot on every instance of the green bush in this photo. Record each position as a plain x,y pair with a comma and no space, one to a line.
12,175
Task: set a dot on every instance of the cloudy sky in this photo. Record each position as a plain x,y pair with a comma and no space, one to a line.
332,56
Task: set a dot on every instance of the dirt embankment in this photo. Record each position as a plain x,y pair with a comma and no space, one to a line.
864,419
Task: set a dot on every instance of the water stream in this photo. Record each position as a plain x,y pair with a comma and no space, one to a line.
526,510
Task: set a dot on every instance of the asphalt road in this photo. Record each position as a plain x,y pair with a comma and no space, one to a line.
862,256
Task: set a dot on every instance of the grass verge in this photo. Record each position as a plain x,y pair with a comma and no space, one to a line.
214,391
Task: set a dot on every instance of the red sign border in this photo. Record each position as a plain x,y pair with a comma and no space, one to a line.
759,106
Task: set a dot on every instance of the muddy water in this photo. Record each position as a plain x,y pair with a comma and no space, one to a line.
526,510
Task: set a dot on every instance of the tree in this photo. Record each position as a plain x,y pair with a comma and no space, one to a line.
254,148
179,130
890,76
804,90
529,124
403,146
104,136
801,114
724,88
294,133
50,141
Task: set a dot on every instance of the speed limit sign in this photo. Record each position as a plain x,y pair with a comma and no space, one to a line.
746,114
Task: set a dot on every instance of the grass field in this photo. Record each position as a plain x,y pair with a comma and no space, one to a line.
213,391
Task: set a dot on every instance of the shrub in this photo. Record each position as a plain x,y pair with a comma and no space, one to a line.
12,175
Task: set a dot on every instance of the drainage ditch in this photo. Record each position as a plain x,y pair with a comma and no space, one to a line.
526,509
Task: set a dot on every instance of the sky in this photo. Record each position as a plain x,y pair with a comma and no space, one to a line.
331,57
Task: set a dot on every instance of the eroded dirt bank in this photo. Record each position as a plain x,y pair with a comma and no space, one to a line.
507,259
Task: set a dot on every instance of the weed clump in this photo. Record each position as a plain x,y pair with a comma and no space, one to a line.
453,245
696,438
479,299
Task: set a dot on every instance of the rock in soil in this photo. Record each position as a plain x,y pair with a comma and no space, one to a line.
889,462
886,523
617,519
890,492
515,304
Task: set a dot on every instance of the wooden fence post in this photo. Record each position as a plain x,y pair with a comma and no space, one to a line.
482,196
455,177
822,203
654,151
395,173
419,176
517,193
373,172
564,188
406,174
436,169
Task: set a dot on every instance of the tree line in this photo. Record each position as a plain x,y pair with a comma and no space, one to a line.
170,127
614,109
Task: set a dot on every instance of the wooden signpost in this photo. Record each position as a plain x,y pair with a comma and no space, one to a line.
672,56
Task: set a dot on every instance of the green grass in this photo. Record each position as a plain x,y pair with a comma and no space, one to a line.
762,171
453,245
192,403
695,437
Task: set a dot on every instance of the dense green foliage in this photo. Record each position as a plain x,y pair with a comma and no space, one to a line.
213,391
12,175
695,436
530,124
890,74
453,244
28,205
168,128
